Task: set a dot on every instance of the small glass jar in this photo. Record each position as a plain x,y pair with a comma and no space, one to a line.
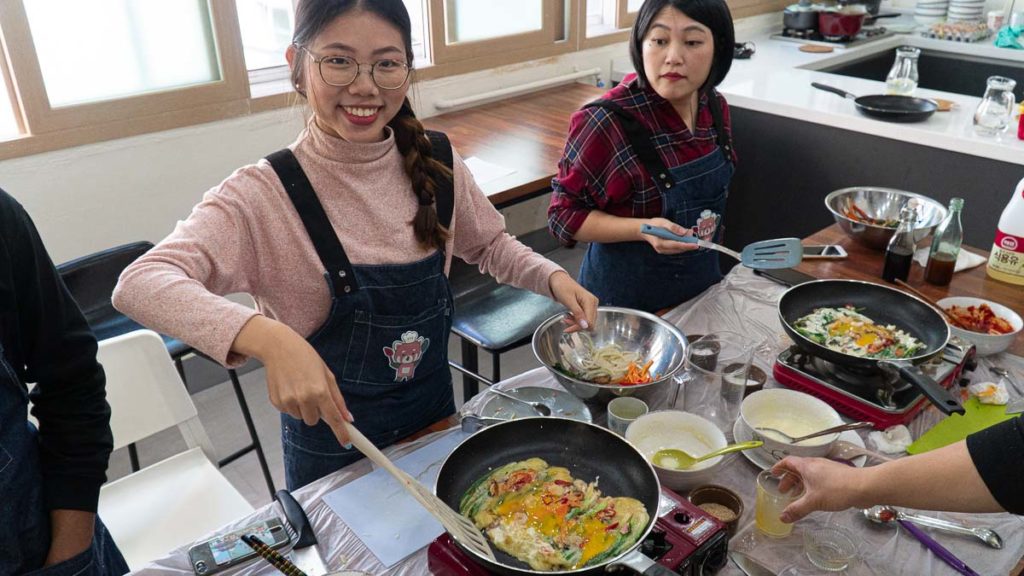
996,108
902,78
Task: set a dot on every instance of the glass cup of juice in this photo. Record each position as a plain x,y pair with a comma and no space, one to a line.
774,493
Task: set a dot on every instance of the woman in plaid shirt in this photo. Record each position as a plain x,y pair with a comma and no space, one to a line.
654,150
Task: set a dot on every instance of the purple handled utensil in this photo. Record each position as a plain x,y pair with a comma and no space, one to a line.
938,549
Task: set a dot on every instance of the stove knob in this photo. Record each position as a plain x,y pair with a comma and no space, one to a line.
653,543
681,517
970,364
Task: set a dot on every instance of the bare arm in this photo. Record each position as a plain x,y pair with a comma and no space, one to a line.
70,534
922,481
606,228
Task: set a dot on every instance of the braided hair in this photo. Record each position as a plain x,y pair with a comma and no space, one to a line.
426,174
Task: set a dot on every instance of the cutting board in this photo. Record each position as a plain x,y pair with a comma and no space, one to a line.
388,520
958,426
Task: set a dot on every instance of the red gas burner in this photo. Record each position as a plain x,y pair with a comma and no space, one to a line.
873,396
685,539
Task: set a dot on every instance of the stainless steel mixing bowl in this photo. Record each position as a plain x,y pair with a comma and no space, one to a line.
882,203
633,330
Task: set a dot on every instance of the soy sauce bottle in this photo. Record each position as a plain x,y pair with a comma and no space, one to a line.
945,246
899,255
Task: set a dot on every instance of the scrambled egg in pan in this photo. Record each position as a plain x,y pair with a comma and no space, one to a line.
850,332
542,516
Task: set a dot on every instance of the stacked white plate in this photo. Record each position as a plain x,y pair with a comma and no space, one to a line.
966,11
929,12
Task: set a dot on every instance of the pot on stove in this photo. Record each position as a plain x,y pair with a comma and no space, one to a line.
842,24
800,17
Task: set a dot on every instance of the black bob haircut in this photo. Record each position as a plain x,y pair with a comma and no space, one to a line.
712,13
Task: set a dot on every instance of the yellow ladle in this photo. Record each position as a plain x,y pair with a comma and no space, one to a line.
674,459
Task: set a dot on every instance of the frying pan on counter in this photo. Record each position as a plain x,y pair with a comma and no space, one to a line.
587,450
885,306
889,107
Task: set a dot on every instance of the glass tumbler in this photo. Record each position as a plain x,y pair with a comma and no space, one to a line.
902,78
993,113
719,366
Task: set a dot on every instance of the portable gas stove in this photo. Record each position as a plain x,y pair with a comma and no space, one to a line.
875,396
685,539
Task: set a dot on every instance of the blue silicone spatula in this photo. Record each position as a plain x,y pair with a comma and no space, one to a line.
763,255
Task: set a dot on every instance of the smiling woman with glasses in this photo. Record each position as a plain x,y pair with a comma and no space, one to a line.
344,239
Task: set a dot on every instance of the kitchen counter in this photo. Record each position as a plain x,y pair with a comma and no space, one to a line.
777,80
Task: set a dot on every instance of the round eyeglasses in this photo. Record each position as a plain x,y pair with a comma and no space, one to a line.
341,71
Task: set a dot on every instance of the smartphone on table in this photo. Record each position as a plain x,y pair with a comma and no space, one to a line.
833,251
223,552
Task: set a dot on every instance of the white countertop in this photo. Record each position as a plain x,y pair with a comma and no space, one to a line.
777,80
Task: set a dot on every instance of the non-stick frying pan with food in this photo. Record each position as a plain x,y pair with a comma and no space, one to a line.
588,451
887,106
885,306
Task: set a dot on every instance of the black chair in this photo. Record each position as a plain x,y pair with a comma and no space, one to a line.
494,317
91,280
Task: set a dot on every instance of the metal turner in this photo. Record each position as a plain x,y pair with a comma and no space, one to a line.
763,255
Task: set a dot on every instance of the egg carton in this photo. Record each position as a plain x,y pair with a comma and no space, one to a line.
957,31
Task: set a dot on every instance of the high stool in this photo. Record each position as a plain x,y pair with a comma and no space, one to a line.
494,317
91,280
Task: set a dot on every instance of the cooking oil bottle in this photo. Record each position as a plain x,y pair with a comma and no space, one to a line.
1007,260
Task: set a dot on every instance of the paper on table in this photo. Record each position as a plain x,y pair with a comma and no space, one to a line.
964,261
484,172
383,515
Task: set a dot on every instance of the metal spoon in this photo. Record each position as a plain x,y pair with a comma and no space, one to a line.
832,430
471,422
885,514
538,407
679,460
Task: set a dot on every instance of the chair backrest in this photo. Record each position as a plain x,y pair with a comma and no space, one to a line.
145,392
91,279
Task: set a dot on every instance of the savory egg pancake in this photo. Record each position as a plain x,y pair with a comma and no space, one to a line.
850,332
542,516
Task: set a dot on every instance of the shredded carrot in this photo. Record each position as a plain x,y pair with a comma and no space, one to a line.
636,374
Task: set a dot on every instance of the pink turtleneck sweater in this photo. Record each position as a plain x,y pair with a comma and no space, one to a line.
245,236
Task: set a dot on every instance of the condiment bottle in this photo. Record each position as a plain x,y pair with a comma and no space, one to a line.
1007,260
899,255
945,246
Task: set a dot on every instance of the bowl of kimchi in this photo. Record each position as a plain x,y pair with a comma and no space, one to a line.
990,326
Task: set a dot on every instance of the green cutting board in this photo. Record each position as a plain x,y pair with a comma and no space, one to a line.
958,426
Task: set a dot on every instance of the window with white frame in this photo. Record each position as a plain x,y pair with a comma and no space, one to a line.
104,49
266,27
471,20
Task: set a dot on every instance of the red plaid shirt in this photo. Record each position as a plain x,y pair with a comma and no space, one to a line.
599,170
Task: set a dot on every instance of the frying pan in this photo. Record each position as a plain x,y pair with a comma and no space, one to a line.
887,107
588,451
885,306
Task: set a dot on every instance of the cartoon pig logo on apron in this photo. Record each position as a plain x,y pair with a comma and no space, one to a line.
405,354
707,223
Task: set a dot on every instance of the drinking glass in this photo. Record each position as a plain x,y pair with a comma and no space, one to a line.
993,113
774,493
719,366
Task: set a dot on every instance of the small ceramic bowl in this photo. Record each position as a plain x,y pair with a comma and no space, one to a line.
710,495
682,431
794,413
985,344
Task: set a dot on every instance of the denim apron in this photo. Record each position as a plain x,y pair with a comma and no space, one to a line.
385,340
693,195
25,531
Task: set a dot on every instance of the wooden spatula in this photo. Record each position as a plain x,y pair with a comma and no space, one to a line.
460,527
763,255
